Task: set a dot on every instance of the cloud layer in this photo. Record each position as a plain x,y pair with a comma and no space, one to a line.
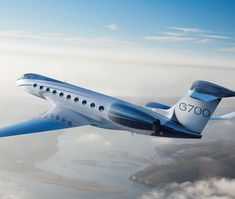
182,34
75,39
10,190
204,189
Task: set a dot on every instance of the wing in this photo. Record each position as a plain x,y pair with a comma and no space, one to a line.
54,119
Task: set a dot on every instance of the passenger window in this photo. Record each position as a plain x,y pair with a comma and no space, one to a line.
101,108
76,99
41,87
92,105
68,96
84,102
48,90
61,94
35,85
54,92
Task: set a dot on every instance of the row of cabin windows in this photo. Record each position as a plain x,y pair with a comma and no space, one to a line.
76,99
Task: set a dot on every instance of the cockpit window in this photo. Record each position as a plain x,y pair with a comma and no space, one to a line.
38,77
26,76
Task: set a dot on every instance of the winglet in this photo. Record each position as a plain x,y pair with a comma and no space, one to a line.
212,89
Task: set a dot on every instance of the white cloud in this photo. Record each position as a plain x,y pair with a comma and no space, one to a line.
193,35
169,38
202,41
128,56
113,27
173,34
204,189
215,37
9,190
124,51
189,29
176,36
93,138
62,38
227,49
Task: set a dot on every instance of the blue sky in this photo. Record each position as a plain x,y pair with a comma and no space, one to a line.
135,17
202,27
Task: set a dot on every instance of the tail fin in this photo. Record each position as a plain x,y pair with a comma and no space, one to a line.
195,109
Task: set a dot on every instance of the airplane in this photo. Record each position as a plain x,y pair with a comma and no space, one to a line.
73,106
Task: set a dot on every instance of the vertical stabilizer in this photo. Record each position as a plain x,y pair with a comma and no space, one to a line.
195,109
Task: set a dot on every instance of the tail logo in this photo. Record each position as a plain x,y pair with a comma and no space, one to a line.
194,109
193,114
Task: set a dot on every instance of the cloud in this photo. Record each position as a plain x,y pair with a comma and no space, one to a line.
113,27
204,189
11,190
180,34
173,33
131,55
93,138
87,139
169,38
203,41
226,49
102,48
215,37
189,29
61,38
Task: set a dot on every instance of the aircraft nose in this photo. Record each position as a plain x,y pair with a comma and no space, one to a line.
19,82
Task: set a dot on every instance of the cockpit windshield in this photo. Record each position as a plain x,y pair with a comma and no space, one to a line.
38,77
26,76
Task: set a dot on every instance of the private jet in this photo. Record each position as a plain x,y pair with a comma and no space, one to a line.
73,106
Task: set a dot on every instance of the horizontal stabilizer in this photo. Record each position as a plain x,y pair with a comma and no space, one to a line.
227,116
157,105
209,88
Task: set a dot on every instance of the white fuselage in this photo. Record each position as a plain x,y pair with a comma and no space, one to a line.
90,104
74,106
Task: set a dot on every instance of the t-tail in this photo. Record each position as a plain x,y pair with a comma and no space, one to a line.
195,109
